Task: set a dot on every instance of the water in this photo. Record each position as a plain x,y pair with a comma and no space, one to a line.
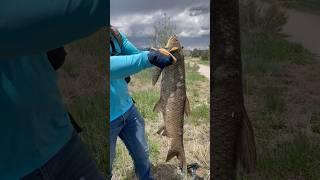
304,28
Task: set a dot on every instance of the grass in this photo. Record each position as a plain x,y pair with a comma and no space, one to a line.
88,111
278,76
204,62
81,81
264,54
315,121
196,137
145,99
290,157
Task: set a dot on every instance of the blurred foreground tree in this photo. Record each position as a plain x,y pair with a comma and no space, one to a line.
232,133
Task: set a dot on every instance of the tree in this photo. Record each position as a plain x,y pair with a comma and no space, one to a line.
232,133
163,29
196,53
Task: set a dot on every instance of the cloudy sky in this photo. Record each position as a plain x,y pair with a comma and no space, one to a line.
136,18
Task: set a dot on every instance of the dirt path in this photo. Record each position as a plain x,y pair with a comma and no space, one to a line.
304,28
204,70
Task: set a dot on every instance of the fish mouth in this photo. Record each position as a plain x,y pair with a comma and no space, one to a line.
173,42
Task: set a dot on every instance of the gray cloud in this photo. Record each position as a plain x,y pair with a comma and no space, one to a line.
120,7
136,18
196,11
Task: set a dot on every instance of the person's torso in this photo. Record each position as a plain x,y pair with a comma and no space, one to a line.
120,99
34,122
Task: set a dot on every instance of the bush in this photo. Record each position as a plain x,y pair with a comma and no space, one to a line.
261,17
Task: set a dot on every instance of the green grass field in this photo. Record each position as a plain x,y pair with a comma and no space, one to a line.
280,79
286,127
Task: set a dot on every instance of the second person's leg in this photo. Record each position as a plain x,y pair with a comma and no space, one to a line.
133,136
115,128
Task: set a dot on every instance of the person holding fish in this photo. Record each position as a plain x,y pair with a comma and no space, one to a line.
125,120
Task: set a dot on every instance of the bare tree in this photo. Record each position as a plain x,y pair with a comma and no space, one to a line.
232,132
163,29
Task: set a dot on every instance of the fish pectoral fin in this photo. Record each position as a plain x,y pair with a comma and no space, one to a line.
162,131
187,110
165,132
155,75
158,106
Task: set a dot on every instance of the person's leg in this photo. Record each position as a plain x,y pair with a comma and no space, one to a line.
72,162
115,128
133,136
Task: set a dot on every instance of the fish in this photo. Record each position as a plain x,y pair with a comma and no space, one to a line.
173,102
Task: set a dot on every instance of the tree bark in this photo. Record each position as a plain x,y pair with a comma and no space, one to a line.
232,136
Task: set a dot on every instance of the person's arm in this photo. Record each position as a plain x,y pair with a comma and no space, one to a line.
127,47
124,66
34,26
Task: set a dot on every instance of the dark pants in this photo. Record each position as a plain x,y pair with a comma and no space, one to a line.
72,162
130,128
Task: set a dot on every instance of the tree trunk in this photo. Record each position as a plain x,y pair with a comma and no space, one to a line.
232,134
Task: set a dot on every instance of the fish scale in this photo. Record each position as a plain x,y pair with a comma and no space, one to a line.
173,103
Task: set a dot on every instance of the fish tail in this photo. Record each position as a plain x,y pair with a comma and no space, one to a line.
158,106
155,75
177,151
248,156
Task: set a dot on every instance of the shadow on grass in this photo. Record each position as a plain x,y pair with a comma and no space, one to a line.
164,172
160,171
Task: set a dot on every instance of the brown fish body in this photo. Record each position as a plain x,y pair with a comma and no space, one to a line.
173,103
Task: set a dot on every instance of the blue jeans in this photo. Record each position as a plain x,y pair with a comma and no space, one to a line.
72,162
130,128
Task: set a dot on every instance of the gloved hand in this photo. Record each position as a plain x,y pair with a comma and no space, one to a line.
161,57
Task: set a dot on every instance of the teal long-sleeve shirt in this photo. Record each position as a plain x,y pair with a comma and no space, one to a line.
129,62
34,124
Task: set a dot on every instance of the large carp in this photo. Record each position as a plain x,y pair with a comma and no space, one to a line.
173,102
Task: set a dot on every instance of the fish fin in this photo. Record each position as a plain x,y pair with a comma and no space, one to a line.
155,75
165,132
158,106
247,145
172,153
187,110
180,156
182,160
162,131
